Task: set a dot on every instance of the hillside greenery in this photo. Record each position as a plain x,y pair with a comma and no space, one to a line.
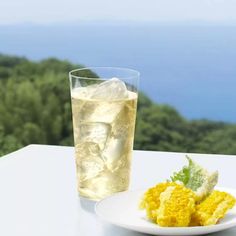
35,108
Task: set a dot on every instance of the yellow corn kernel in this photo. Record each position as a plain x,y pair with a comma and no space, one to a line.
177,203
151,199
212,209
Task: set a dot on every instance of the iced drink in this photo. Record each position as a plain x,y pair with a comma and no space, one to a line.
103,121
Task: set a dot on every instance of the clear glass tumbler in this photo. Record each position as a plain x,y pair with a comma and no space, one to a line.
104,104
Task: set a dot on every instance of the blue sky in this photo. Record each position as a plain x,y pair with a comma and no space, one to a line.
57,11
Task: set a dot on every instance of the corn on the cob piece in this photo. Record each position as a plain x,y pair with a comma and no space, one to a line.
212,209
177,203
151,199
169,204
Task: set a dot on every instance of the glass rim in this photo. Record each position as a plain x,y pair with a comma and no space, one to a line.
133,73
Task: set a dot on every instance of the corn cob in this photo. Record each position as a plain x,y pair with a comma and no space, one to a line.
212,209
151,199
177,204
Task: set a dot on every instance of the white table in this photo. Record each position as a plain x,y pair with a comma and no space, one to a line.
38,195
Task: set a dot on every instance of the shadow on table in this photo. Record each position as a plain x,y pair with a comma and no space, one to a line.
118,231
103,229
228,232
87,205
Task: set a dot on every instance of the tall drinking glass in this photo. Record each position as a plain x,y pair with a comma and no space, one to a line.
104,103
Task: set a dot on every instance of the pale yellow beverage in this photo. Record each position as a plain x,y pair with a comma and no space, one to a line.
103,135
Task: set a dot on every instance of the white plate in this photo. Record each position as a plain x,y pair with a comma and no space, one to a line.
122,210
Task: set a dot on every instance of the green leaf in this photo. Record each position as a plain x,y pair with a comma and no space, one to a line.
196,178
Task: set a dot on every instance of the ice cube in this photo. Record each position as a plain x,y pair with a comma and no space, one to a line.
121,126
111,90
106,112
83,92
95,132
99,186
106,183
113,152
118,144
100,111
99,102
89,160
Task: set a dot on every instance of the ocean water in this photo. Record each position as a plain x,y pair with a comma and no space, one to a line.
191,67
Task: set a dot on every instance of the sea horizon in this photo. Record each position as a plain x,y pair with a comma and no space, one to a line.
190,67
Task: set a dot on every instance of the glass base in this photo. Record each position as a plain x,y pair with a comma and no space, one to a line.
94,197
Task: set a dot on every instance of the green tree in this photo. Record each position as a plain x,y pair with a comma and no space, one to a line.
35,108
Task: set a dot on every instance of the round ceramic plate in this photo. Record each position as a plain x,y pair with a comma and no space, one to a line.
122,210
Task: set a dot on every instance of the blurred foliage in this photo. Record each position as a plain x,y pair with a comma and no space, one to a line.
35,108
